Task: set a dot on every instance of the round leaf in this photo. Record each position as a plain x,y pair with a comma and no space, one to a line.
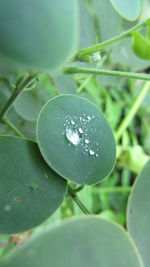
82,242
39,34
29,190
28,105
128,9
139,213
75,139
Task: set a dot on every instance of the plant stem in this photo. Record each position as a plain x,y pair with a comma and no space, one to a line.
125,123
13,127
95,48
74,196
112,189
120,74
18,89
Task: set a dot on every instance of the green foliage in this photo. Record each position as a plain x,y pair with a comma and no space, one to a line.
67,113
82,241
75,139
40,34
138,213
29,190
130,10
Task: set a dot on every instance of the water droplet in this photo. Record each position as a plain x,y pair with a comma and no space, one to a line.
89,118
7,208
72,122
91,152
80,131
96,155
73,137
86,141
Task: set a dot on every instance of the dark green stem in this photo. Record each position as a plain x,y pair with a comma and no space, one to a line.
74,196
18,89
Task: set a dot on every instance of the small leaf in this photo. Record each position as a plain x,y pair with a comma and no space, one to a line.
29,190
128,9
75,139
82,242
29,103
139,213
140,45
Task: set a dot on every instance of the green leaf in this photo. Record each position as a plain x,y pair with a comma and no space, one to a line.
38,34
85,242
140,45
87,30
103,11
29,103
29,190
139,213
76,140
128,9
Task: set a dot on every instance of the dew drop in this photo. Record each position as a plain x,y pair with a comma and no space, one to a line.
86,141
72,122
80,131
89,118
96,155
73,137
91,152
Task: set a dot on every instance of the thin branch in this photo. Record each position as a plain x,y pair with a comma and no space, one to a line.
13,127
97,47
74,196
136,105
18,89
112,189
120,74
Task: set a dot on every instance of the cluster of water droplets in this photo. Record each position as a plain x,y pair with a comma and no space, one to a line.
78,131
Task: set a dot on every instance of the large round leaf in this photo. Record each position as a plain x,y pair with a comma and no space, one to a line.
40,34
139,213
128,9
75,139
29,190
82,242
